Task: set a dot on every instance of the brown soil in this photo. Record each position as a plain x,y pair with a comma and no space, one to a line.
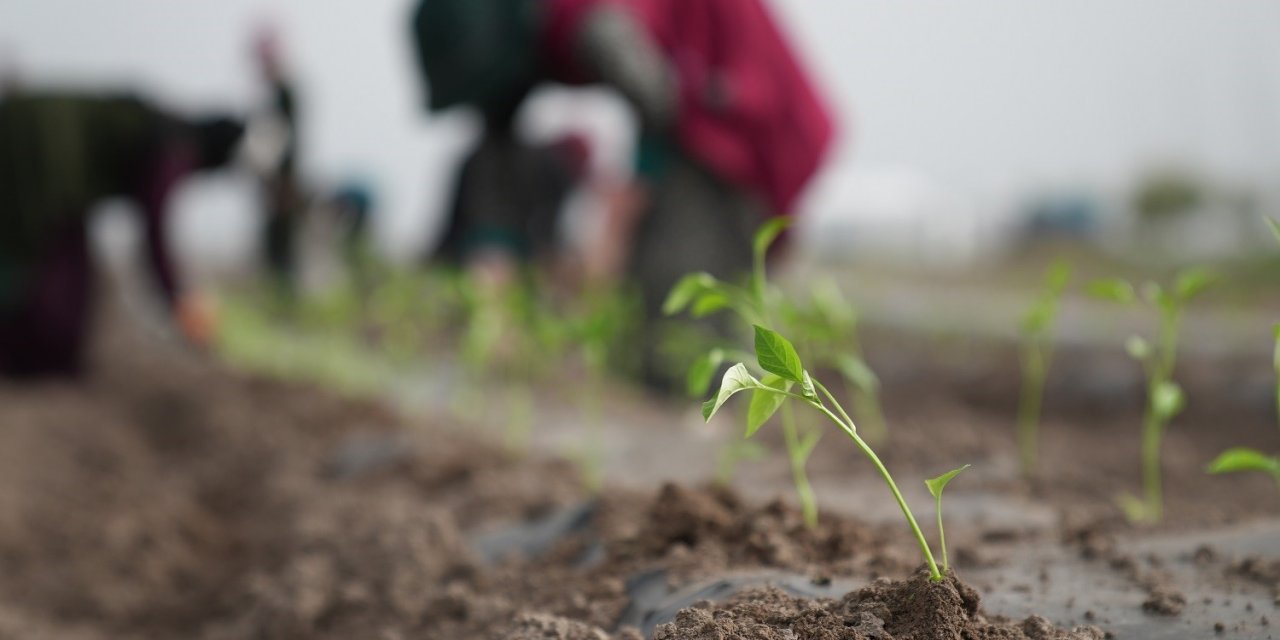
165,497
916,608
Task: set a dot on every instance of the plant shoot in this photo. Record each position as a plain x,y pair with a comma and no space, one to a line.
1165,399
1037,329
785,379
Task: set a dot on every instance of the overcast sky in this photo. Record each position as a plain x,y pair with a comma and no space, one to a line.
998,96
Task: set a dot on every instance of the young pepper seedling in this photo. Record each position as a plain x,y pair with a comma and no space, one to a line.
787,380
1165,398
1037,351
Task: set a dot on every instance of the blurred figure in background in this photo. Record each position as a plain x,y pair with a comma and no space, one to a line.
731,126
507,201
283,195
352,206
60,153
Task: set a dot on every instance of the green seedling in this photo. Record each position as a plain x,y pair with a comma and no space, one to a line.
598,325
936,485
785,379
1242,459
829,325
1037,329
702,294
513,340
1165,398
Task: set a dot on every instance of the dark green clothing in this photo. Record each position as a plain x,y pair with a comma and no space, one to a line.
59,154
476,52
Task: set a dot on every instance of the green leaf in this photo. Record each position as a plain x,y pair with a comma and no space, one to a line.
767,233
1112,290
765,403
1275,227
686,290
1057,276
777,355
736,379
1037,318
1138,348
710,302
1167,400
936,485
856,371
1135,509
1153,293
1192,282
807,388
702,371
1242,459
832,306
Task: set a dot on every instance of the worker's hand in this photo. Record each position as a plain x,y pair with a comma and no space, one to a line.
197,317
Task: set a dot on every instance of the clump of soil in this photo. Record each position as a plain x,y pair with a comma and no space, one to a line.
1262,571
698,532
912,609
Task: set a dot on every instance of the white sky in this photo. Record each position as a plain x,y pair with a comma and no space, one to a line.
990,97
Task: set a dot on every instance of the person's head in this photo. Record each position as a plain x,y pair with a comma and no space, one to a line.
216,140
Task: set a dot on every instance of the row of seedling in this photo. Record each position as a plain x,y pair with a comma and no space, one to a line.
1164,397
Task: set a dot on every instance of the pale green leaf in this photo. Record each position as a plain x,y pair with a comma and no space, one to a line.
807,388
1167,400
1037,317
736,379
686,290
856,371
1057,276
1135,509
1153,293
1242,459
936,485
702,371
710,302
765,403
832,306
1138,348
1192,282
1112,290
777,355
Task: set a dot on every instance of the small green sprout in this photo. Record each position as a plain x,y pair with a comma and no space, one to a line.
1037,351
785,379
703,294
1165,398
1242,459
936,485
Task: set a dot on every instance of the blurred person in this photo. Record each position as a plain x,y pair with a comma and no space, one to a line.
60,153
352,207
731,127
282,190
507,201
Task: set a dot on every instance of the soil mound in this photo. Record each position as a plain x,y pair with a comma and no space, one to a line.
912,609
